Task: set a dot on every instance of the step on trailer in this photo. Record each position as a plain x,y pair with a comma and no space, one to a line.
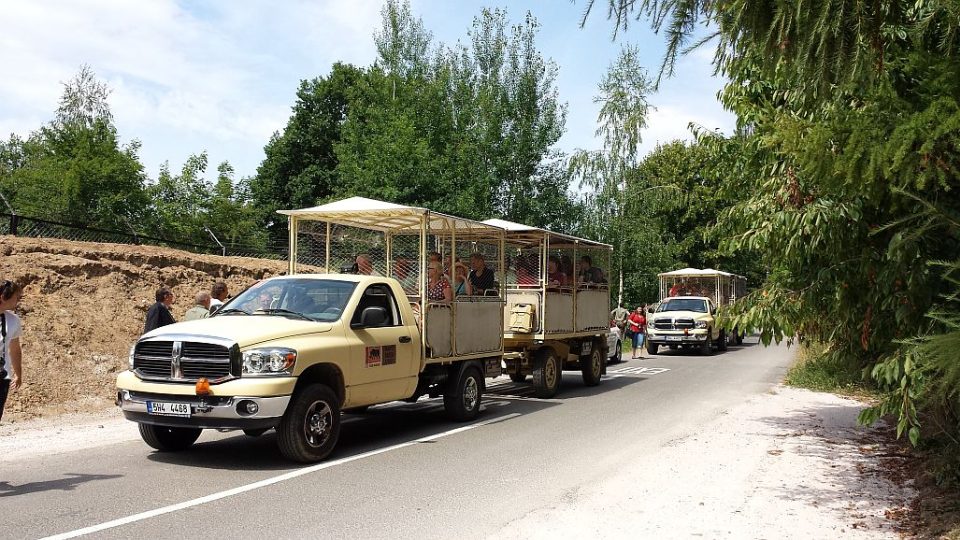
551,326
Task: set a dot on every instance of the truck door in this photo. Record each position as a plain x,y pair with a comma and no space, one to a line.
386,358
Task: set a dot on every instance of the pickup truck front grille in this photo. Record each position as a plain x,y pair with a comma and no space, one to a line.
673,324
185,361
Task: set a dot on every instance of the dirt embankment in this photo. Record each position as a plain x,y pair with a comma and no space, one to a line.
84,305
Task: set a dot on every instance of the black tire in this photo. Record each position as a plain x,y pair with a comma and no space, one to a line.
739,338
652,348
310,428
518,377
722,341
169,439
592,366
462,401
706,348
547,373
617,354
255,432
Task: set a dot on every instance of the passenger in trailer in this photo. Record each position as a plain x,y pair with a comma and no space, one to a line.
438,287
481,278
590,274
365,267
555,278
525,276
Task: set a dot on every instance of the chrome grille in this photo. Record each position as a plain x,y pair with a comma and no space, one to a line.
663,324
681,324
673,324
156,360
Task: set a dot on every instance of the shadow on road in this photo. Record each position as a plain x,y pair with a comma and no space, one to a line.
666,351
61,484
381,426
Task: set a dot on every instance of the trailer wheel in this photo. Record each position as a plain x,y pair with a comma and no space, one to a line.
518,377
463,403
546,373
169,439
311,425
592,367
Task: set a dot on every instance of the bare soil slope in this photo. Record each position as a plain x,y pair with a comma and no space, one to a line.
84,305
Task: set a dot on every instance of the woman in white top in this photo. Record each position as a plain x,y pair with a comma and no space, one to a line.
10,353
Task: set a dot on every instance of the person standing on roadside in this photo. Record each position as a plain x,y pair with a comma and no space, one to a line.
159,314
218,295
201,310
638,328
11,373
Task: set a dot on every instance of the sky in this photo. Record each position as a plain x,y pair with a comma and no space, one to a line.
221,76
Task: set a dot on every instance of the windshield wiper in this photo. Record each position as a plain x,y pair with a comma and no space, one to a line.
232,310
282,311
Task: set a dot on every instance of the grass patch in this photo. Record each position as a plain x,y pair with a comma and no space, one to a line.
814,369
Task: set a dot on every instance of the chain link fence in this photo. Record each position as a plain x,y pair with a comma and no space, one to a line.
30,227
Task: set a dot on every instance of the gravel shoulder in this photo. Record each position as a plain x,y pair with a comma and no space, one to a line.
789,464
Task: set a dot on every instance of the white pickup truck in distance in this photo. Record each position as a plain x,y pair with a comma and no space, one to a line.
685,322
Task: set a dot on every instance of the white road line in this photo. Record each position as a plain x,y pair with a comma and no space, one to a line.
640,370
267,482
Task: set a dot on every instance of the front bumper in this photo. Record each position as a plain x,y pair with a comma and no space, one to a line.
205,411
677,338
217,410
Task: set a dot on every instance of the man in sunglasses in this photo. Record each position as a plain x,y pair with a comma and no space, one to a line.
11,375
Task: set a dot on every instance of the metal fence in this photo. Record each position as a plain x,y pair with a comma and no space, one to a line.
31,227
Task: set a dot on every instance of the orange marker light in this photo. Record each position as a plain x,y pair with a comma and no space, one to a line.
203,387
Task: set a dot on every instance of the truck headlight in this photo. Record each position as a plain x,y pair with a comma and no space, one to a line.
700,324
269,361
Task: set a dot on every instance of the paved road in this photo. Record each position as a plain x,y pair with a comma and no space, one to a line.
401,470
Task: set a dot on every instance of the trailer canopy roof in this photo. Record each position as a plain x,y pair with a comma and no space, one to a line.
386,217
519,229
696,272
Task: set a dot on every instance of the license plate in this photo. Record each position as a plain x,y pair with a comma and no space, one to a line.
163,408
674,338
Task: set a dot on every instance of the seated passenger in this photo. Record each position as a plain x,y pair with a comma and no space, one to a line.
555,278
402,271
524,276
590,273
481,277
365,267
460,283
438,288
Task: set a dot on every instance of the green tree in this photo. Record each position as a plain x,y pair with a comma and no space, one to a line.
74,169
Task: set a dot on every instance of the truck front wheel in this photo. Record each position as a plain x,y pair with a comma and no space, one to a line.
462,401
706,348
546,374
311,426
652,348
592,366
169,439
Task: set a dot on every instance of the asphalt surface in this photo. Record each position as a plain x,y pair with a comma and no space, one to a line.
400,470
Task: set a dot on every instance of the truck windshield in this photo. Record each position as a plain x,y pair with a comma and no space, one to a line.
684,304
321,300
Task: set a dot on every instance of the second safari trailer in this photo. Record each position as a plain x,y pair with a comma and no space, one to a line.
557,315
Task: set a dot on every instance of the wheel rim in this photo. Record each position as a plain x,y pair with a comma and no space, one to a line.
596,363
471,393
550,372
617,352
317,423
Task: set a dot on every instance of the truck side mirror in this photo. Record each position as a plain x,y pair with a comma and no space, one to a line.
371,317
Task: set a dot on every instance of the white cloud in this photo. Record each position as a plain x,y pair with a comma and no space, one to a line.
224,75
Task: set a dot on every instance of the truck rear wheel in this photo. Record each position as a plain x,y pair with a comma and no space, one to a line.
169,439
311,426
722,341
463,403
546,374
592,366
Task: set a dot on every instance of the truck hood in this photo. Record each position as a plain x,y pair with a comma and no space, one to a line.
695,315
245,330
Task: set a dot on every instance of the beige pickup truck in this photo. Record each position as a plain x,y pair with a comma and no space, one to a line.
685,322
292,352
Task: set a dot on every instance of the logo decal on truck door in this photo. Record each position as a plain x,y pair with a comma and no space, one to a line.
373,356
